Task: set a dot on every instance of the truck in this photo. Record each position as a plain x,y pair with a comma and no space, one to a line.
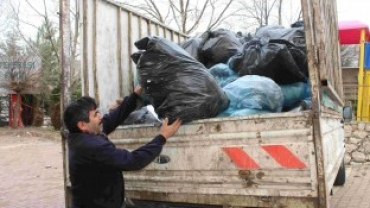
289,159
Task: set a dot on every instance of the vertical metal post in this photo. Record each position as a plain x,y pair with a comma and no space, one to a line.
361,78
65,84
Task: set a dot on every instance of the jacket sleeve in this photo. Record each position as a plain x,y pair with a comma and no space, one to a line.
107,154
119,114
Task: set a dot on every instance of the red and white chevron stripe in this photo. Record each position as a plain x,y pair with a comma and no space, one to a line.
279,155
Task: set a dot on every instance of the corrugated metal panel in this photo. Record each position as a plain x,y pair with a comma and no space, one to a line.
108,38
199,165
333,144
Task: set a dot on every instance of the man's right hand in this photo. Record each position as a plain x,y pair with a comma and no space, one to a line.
169,130
138,90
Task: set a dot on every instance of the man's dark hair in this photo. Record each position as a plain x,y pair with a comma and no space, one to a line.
78,111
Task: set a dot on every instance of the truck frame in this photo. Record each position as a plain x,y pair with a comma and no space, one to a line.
271,160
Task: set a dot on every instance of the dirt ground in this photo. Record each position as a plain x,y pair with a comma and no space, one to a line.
31,175
31,172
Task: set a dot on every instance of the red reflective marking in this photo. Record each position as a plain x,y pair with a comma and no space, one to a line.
240,158
283,156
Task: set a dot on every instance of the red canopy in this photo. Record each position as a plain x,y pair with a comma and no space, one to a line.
350,32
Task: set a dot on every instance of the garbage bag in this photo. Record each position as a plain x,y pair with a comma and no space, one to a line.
192,46
253,92
294,93
223,74
243,39
179,86
294,35
232,112
144,115
298,23
299,56
272,60
218,46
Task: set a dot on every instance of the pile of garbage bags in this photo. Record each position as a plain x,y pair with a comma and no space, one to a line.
223,74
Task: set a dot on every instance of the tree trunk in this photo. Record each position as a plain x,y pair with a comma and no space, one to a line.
280,5
17,112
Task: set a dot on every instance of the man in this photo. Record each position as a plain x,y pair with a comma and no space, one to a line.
95,164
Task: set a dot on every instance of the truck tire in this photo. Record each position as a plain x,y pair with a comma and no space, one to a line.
341,176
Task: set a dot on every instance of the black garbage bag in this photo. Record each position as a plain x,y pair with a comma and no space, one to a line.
142,116
298,23
179,86
218,46
295,35
271,59
192,46
298,55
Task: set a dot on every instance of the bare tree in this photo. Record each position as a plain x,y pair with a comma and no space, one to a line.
279,8
292,11
16,75
47,24
46,19
4,20
186,15
257,11
50,24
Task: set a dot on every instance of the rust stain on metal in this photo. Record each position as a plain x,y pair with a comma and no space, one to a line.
245,174
258,121
260,174
249,183
200,129
218,128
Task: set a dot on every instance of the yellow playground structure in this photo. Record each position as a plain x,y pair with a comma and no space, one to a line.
355,32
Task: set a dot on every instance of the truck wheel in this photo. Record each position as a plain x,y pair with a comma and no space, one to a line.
341,176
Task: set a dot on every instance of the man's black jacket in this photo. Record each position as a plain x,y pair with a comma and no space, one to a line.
96,165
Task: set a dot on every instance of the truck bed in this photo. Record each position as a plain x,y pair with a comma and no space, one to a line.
261,160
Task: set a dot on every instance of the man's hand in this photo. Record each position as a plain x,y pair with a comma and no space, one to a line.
169,130
138,90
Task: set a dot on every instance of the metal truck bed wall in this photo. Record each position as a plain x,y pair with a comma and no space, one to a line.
270,160
260,161
108,36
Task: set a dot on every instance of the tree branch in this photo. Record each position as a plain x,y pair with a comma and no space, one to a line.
220,17
196,23
173,8
50,37
151,2
33,8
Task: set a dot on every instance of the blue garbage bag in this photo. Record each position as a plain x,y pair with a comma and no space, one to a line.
295,93
259,93
223,74
232,112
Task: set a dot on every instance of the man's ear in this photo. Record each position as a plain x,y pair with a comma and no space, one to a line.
82,126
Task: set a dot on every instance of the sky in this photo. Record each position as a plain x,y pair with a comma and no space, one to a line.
354,10
347,10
